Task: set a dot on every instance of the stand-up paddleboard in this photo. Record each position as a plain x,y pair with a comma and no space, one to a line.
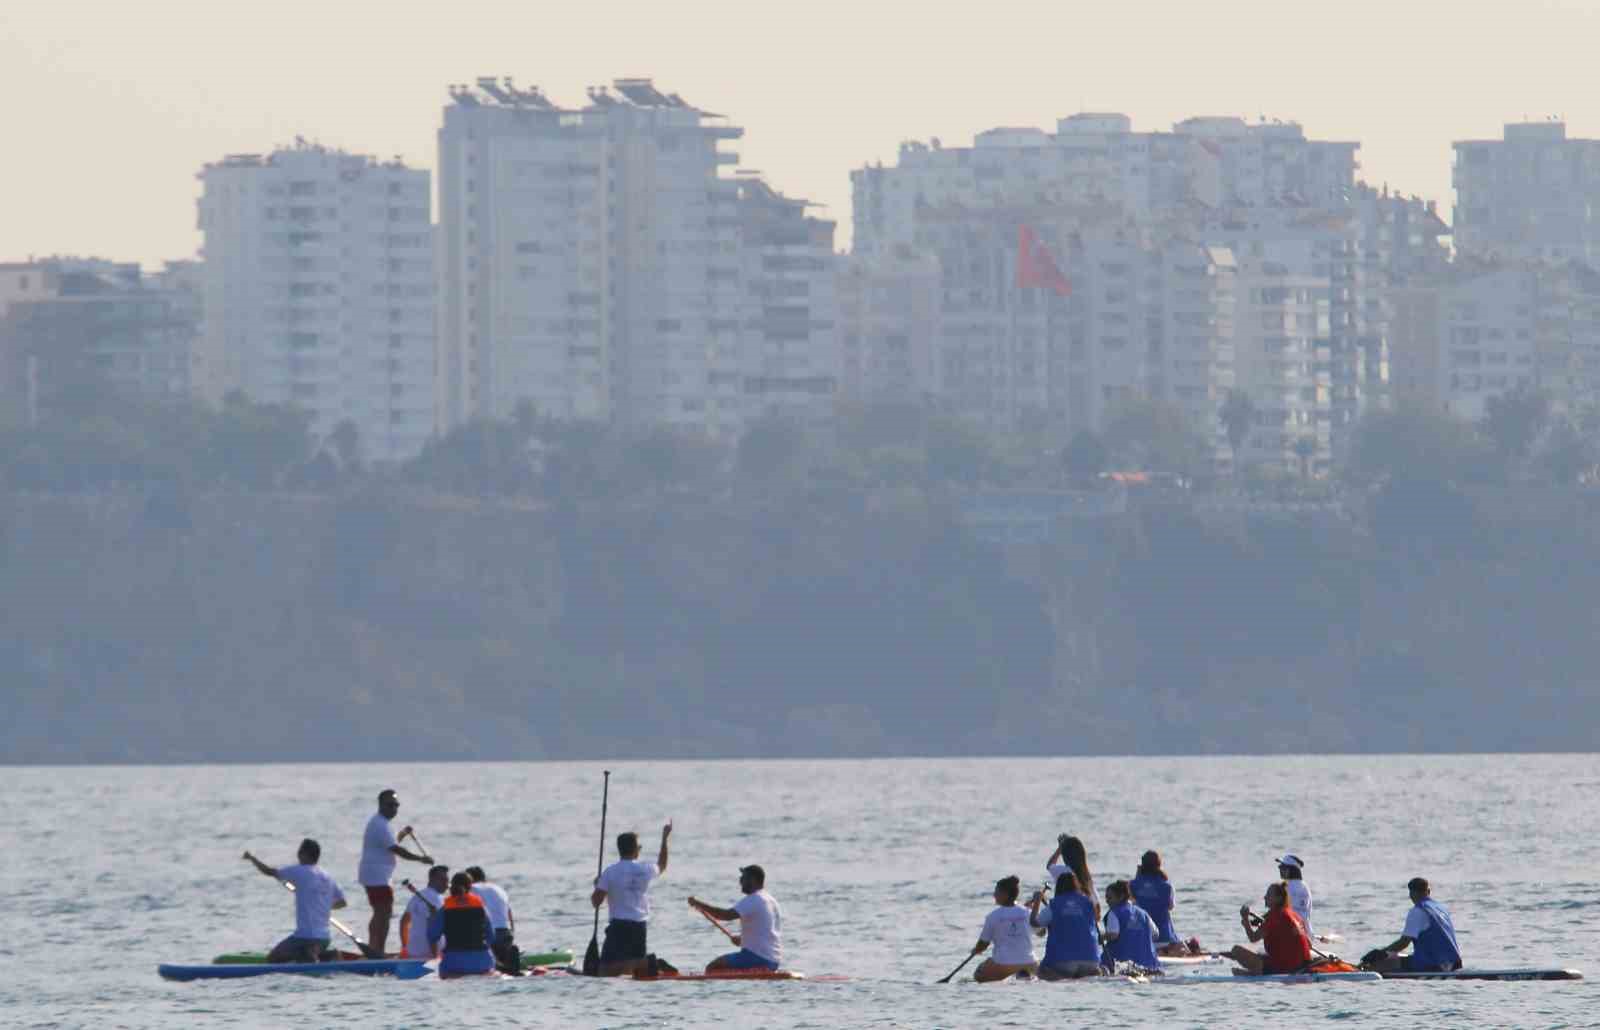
739,974
404,969
556,957
1190,960
1271,978
1490,974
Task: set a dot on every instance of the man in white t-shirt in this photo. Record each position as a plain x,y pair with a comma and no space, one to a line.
624,886
502,921
315,898
379,847
760,936
424,903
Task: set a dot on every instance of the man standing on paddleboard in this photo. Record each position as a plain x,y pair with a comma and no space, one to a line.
624,886
379,848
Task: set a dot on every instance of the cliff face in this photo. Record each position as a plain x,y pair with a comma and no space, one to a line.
381,626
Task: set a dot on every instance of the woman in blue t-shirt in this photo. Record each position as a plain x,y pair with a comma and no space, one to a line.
1153,893
1073,948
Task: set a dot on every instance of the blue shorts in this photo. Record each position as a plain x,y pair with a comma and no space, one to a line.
1410,964
744,958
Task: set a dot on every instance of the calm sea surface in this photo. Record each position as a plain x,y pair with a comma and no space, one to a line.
883,869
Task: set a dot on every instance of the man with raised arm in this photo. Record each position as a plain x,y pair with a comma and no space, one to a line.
315,898
379,849
624,886
760,936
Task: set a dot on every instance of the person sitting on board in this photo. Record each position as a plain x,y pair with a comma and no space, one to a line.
760,936
1153,892
1428,931
315,898
502,921
1073,857
419,911
379,848
624,887
1290,870
1073,948
463,925
1288,946
1006,927
1130,933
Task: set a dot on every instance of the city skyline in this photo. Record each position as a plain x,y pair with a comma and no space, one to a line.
159,91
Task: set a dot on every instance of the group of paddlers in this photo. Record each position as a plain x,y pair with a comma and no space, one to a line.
1134,930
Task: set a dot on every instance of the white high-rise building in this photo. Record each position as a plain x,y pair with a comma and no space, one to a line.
592,259
1098,160
1534,194
319,291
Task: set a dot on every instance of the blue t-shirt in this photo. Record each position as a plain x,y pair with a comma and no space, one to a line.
1073,934
1154,895
1433,935
1135,940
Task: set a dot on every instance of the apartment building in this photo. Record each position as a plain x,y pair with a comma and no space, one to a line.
592,258
889,317
1097,160
75,324
790,334
319,291
1531,195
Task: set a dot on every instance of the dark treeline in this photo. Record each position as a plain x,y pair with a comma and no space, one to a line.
181,584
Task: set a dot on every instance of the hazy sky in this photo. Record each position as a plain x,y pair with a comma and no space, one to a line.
113,106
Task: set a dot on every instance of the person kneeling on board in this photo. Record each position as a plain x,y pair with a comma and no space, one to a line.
464,925
1429,932
502,921
760,936
1288,946
315,898
1130,933
419,912
1073,948
624,888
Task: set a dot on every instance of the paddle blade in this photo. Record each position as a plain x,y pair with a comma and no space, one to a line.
591,958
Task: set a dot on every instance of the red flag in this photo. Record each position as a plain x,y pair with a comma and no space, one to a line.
1035,266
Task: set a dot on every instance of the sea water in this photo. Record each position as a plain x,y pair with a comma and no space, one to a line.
884,871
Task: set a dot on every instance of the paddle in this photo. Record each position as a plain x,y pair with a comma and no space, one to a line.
713,919
591,957
432,908
970,956
412,833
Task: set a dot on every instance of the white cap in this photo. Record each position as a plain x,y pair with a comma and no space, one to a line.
1292,861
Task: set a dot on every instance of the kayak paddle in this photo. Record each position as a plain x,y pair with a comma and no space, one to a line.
591,957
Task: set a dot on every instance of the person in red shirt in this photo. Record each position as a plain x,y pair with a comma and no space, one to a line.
1288,946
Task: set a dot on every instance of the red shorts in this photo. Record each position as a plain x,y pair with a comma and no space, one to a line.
380,896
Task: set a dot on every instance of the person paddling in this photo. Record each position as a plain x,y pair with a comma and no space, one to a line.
1073,948
379,848
1006,927
760,936
316,895
463,927
1288,945
1290,871
1430,934
1153,892
1130,934
419,911
502,921
624,887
